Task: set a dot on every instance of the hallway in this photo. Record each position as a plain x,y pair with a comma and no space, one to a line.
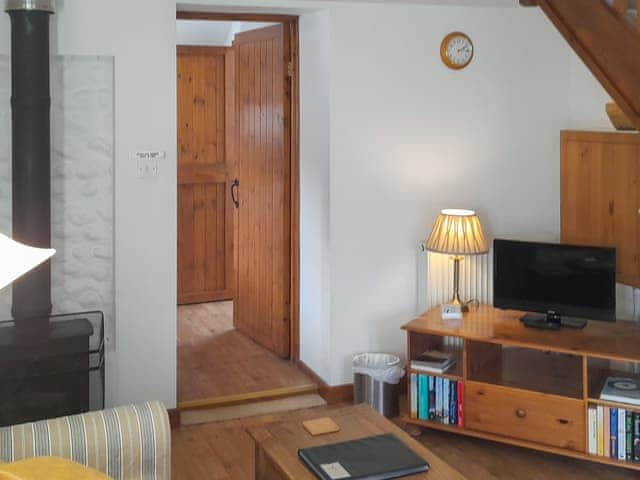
214,360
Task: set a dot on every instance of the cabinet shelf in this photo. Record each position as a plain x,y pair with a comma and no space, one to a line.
526,369
606,403
450,374
521,443
600,369
434,425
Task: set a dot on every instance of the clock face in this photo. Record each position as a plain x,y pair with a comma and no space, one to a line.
456,50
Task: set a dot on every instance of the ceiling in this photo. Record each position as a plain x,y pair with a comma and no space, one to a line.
248,6
469,3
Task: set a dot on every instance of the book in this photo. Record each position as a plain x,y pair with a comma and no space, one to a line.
613,449
414,395
433,359
423,368
435,399
423,397
440,391
622,434
628,430
600,434
381,457
636,436
607,432
432,398
453,404
593,431
460,404
621,390
446,402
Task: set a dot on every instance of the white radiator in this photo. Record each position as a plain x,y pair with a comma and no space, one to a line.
435,278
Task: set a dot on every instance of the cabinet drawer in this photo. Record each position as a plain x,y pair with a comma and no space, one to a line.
532,416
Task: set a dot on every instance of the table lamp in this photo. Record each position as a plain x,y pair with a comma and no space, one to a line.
17,259
457,233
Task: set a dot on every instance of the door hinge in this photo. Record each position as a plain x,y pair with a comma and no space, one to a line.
290,69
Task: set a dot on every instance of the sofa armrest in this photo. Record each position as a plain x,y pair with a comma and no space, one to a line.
126,443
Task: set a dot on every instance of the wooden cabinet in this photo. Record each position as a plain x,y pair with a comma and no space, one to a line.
600,203
522,386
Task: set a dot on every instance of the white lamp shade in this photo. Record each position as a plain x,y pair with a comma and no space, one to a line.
17,259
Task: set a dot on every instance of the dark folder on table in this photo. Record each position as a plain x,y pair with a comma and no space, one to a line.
382,457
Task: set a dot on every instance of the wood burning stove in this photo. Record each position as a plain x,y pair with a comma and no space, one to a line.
46,376
49,365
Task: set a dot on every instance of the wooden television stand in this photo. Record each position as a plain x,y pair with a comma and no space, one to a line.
527,387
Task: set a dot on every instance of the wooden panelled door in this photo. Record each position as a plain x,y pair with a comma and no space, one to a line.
263,92
600,174
205,210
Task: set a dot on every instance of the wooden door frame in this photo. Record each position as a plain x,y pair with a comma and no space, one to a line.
290,22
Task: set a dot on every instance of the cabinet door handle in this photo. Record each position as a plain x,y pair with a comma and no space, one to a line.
520,413
234,193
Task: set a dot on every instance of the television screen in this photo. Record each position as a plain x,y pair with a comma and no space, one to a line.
538,277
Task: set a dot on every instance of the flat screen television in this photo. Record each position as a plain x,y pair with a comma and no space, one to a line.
573,281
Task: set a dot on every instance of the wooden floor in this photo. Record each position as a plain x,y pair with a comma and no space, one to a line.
215,361
224,451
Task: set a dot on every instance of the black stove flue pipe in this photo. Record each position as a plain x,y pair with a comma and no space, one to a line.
31,156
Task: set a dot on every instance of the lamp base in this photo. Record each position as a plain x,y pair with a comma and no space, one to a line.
456,301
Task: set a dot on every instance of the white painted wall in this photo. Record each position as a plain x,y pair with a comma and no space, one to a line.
587,99
248,26
315,291
410,137
202,32
210,33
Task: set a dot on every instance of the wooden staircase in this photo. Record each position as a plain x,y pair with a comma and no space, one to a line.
606,36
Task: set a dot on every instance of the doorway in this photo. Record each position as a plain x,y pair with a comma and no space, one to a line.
237,209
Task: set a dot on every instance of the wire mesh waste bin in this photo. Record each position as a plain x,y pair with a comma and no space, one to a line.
376,378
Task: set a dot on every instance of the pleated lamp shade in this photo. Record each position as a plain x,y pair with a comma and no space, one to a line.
458,232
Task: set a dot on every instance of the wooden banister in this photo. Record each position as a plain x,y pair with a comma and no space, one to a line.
605,41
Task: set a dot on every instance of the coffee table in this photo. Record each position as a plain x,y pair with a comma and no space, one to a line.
277,444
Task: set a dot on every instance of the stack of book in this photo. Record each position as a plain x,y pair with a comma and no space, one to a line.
614,433
433,361
437,399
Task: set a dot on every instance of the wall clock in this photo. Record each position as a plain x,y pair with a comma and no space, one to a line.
456,50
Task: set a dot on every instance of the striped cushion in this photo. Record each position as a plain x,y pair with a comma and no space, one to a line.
125,443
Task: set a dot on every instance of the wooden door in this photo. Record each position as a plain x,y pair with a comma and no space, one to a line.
205,211
599,197
263,166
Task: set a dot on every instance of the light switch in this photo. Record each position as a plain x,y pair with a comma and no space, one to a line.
147,163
